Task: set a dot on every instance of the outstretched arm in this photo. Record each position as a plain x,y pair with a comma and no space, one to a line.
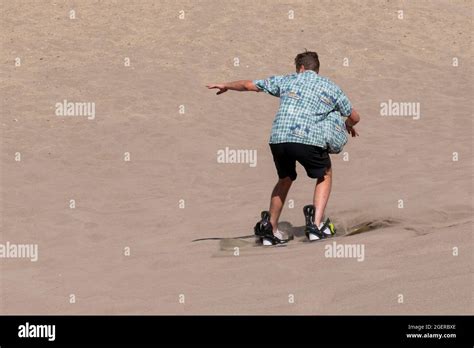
241,86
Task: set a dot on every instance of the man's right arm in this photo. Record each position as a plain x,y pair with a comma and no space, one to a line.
241,85
270,85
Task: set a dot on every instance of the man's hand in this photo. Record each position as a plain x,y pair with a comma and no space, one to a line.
351,130
222,88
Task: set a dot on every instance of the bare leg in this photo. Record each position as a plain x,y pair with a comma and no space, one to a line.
321,195
278,199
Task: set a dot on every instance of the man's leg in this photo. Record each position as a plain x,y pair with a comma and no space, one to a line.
321,195
278,199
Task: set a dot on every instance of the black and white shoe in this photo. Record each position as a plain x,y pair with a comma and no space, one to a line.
327,228
313,232
264,231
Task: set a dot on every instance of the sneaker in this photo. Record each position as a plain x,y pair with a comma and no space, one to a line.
264,231
313,232
279,234
277,238
327,228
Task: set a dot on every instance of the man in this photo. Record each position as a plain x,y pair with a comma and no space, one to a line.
299,134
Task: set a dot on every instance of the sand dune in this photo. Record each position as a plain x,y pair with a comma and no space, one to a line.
136,203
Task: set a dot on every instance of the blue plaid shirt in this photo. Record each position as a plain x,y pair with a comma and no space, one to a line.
306,99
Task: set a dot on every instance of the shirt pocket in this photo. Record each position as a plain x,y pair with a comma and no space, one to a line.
325,104
292,95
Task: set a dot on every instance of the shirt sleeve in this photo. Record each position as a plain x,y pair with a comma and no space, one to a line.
343,104
270,85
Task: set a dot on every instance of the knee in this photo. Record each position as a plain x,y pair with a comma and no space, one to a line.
285,182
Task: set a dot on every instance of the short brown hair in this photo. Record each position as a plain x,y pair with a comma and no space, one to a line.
309,60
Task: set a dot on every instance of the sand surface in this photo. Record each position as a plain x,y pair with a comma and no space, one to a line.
136,203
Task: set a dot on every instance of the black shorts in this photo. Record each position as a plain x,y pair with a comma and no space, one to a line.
314,159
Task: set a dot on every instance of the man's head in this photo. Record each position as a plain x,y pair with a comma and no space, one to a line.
307,61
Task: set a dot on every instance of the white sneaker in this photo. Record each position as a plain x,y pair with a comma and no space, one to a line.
327,230
278,234
312,237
